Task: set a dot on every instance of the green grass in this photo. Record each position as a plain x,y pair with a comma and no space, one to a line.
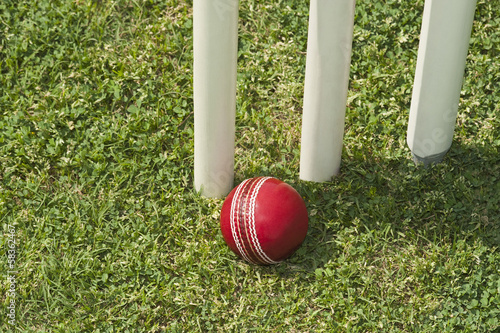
96,160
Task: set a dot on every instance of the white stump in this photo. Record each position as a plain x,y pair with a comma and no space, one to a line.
442,53
329,44
215,30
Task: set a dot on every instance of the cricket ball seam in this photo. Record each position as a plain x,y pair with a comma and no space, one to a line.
253,233
242,225
242,217
234,212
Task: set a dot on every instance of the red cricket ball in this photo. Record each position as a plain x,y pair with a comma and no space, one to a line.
264,220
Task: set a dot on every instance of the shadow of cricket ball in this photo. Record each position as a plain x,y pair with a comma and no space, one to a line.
264,220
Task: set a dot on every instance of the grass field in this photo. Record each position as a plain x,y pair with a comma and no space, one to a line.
96,174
